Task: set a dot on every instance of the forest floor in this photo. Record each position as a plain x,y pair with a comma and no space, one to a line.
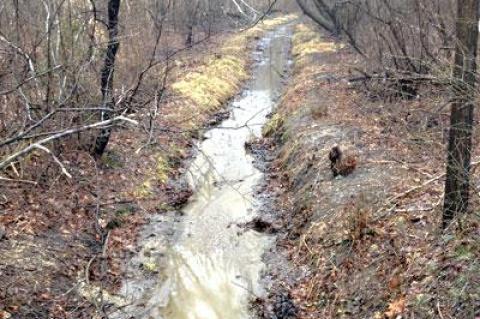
64,242
367,245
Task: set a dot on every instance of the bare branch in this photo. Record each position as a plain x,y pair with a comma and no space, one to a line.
98,125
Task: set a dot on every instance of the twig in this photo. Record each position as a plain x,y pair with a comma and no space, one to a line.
415,188
87,270
105,245
116,202
439,311
64,170
12,180
428,182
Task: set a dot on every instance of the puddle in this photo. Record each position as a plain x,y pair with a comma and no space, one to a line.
212,266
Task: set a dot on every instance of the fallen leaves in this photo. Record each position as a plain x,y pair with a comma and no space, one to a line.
394,283
396,307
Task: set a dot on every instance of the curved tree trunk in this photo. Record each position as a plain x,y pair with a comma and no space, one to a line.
317,17
330,14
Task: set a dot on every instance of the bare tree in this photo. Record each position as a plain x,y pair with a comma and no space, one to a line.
407,38
461,118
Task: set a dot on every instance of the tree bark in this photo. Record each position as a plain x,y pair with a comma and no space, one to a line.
106,76
461,118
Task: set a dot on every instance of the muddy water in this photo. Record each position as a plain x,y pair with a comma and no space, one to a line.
213,264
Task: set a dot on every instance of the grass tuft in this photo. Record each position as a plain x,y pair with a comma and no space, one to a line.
306,41
273,125
213,84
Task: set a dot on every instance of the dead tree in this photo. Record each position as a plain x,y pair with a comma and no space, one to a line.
461,118
106,76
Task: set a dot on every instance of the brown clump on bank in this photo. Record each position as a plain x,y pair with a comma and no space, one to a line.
341,164
366,246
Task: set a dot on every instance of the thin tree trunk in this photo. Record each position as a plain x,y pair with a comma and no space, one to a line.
461,118
106,77
189,40
316,16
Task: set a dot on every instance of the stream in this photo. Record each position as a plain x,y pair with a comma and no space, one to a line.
212,265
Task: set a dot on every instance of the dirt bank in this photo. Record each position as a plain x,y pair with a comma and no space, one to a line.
366,245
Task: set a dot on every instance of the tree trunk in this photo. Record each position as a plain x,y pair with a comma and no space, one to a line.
189,40
317,16
331,14
106,76
461,118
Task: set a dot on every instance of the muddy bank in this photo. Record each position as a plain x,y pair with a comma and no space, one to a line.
359,246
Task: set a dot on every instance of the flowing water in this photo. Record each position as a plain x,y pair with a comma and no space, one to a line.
214,265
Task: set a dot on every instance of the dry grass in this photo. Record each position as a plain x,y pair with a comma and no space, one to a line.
273,125
223,73
307,42
213,84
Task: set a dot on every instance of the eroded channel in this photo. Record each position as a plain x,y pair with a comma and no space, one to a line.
213,265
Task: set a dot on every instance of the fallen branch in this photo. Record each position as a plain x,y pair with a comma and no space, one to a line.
428,182
415,188
39,144
62,167
12,180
